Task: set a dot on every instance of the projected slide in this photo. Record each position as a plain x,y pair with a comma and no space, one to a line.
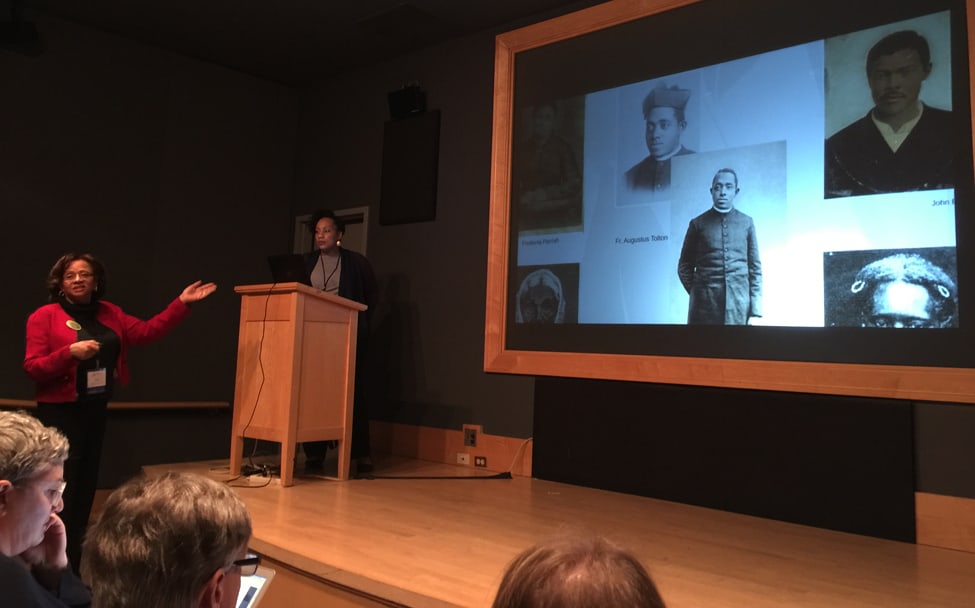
810,186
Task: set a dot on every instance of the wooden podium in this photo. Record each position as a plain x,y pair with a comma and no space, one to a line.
295,371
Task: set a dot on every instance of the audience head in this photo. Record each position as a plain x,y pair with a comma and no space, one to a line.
167,542
577,573
31,480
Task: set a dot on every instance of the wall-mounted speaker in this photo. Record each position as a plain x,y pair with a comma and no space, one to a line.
406,102
411,152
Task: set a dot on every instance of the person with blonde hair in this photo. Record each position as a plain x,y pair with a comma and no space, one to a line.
34,570
577,573
174,541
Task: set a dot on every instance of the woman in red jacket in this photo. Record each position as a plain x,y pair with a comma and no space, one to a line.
76,354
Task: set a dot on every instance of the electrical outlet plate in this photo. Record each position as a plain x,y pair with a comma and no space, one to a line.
463,458
471,431
480,461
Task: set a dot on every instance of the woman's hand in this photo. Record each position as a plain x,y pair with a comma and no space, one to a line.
196,291
51,552
84,349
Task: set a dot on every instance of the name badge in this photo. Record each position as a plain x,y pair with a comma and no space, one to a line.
96,381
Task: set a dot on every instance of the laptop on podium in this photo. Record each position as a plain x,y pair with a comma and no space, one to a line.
289,268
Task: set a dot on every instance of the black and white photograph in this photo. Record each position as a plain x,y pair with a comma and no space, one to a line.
892,288
888,109
547,168
547,294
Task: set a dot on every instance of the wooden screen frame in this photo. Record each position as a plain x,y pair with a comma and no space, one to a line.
893,381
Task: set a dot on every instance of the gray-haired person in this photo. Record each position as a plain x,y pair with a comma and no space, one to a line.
174,541
34,569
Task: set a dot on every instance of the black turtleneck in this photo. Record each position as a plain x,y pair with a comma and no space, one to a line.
110,344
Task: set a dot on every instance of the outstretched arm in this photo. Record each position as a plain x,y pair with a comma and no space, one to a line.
196,291
139,332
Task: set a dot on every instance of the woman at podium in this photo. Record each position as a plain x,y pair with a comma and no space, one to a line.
76,355
348,274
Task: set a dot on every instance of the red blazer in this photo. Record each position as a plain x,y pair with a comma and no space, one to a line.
48,359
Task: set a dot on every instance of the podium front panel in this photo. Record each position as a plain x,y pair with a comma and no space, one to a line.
327,371
295,370
265,377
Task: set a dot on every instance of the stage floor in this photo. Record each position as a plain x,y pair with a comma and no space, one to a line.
445,542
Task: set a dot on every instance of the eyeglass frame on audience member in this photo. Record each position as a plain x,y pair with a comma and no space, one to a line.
247,565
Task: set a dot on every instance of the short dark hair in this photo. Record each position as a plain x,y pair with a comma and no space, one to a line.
326,213
679,115
903,40
725,170
577,573
56,275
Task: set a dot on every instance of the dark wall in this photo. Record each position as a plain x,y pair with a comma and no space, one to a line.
136,438
429,324
843,463
166,168
944,449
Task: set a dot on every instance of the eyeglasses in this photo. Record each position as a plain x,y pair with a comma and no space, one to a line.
248,565
84,275
55,494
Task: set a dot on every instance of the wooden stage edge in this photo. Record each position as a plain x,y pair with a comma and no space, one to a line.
941,521
416,535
